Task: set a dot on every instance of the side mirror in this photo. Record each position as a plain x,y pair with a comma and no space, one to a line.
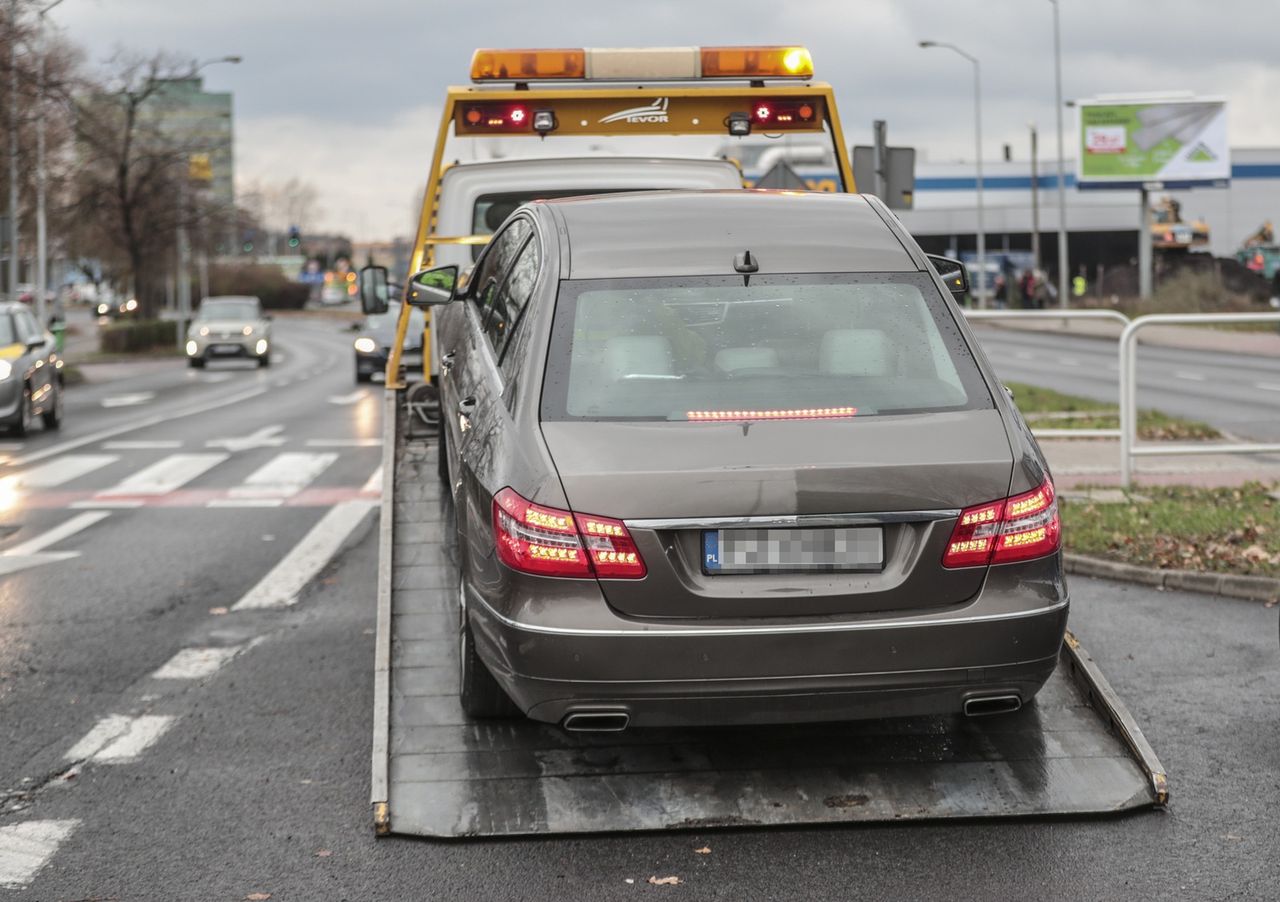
373,289
953,275
433,287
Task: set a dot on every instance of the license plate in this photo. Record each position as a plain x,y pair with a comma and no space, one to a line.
225,349
827,550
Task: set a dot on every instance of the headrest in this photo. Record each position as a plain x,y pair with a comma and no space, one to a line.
637,355
856,352
732,359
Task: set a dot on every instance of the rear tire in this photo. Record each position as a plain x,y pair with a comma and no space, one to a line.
363,377
481,696
53,416
264,361
196,363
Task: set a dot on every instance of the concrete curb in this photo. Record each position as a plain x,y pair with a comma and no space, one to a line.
1253,588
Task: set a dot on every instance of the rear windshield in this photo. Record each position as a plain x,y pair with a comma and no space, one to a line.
815,345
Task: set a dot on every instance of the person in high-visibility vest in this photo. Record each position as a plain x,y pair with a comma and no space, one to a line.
1079,285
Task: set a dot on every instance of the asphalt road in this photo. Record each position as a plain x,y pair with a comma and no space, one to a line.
1237,393
157,774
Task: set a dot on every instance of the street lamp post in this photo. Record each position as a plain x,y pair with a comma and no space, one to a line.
184,244
13,150
977,153
1063,262
42,225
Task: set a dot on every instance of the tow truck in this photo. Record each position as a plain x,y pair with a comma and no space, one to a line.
1077,750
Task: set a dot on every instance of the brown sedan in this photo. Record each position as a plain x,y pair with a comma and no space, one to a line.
734,457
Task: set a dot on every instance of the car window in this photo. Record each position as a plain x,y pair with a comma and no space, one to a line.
510,299
237,310
27,328
8,332
493,266
813,345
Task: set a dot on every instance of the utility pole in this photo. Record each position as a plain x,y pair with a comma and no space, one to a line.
1063,263
13,150
1035,198
42,176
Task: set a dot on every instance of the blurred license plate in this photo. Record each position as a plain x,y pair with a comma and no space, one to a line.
225,349
792,550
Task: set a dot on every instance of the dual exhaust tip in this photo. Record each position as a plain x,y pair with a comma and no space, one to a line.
617,721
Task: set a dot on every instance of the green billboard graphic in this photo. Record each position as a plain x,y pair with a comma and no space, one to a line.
1173,142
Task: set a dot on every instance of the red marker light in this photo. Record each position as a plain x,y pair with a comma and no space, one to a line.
762,113
473,116
517,115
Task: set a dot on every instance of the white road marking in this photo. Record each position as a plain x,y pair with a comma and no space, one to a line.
158,445
117,738
130,400
266,437
196,663
344,443
57,534
1267,386
358,395
164,476
280,587
284,475
95,437
1190,377
374,482
63,469
27,847
113,503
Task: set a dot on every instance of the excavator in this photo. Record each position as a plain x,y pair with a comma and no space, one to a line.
1171,233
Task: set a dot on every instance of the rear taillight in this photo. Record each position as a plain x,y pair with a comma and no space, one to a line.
1017,529
550,542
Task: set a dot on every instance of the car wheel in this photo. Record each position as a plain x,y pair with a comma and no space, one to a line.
53,416
23,424
363,377
264,361
481,696
442,457
196,363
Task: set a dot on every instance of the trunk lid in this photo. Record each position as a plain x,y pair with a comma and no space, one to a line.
698,472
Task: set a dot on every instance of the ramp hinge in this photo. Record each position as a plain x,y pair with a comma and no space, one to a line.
381,819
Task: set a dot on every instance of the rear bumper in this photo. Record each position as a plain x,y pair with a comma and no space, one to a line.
1006,641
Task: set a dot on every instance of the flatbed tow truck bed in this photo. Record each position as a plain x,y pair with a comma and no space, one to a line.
1075,751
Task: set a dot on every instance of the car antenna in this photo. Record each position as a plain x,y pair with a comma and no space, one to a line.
746,264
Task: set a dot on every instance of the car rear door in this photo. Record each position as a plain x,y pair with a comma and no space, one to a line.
39,375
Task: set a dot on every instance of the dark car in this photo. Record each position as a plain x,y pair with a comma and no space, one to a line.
378,334
30,372
735,457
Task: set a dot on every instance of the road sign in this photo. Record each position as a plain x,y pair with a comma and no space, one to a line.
199,168
899,176
1178,142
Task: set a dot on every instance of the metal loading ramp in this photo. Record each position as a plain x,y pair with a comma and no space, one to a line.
435,773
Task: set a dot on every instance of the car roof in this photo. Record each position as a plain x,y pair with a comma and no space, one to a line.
699,233
238,298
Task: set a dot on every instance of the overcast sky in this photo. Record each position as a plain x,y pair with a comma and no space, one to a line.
346,94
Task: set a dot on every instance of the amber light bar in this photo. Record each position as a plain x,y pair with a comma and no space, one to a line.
646,63
807,413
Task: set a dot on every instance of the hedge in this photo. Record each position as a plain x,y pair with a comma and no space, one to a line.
137,335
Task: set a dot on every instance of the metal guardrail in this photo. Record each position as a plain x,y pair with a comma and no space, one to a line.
1129,447
1065,316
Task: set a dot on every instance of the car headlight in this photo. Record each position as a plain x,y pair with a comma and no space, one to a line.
204,330
102,309
247,330
261,346
130,305
192,347
366,345
6,370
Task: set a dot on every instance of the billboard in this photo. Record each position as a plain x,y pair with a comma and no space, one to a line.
1177,143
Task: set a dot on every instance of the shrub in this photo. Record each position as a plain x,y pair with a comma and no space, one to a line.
262,280
133,336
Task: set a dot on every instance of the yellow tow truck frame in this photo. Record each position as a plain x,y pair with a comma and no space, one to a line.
687,102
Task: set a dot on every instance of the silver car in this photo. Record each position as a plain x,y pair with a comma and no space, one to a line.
229,327
30,372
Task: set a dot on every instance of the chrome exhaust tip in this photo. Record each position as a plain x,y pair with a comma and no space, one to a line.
983,705
596,721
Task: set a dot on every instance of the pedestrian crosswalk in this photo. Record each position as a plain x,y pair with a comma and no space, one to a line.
262,475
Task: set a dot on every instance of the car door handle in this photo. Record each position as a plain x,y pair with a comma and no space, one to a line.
446,362
466,407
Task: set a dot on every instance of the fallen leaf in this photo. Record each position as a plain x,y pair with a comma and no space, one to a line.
257,897
324,853
217,612
629,880
665,881
705,850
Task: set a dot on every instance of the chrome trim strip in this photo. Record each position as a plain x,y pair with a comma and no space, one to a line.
794,520
765,630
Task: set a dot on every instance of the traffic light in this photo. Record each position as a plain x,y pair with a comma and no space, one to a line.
246,242
295,238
